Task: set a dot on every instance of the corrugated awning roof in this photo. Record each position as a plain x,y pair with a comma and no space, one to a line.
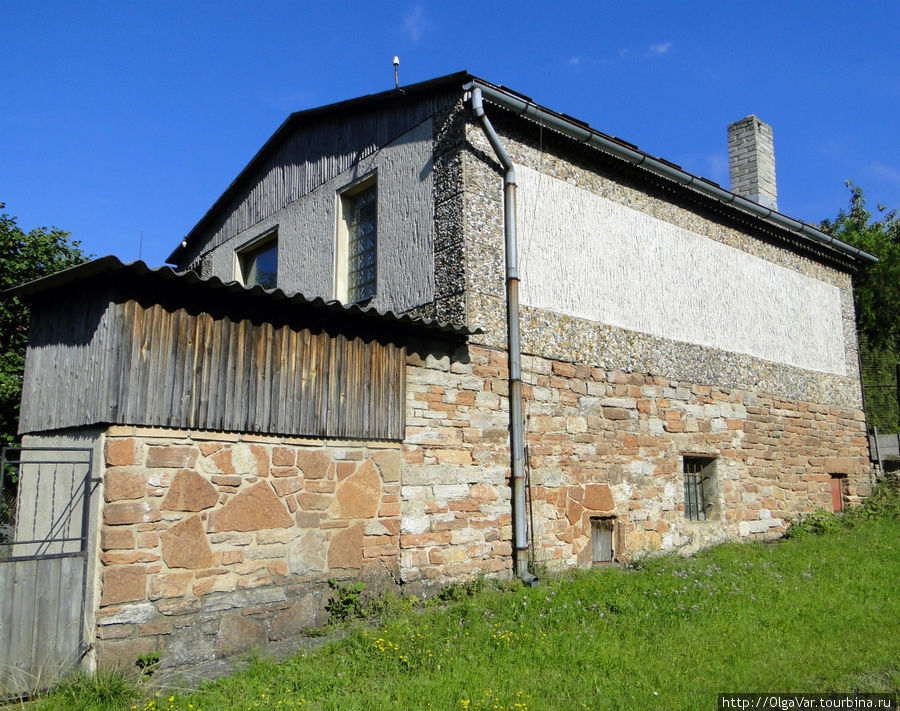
162,277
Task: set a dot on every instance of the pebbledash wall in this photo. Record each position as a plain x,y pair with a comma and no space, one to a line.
665,328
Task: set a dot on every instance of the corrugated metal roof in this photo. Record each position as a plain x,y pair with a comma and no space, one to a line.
161,276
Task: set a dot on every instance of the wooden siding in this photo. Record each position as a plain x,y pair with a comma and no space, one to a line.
124,363
315,153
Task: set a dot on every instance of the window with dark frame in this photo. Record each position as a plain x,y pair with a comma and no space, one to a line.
699,487
258,262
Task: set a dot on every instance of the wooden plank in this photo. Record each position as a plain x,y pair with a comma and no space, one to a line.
23,609
7,583
44,659
71,611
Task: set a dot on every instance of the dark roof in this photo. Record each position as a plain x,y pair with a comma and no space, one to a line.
299,117
576,128
189,286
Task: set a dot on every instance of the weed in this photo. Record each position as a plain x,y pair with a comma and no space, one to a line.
884,502
106,688
461,591
315,632
344,603
147,663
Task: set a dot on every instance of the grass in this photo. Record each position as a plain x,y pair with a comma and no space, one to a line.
817,613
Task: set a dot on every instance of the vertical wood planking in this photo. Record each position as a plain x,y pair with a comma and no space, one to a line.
155,367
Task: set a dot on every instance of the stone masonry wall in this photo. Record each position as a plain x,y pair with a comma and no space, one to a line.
603,443
215,543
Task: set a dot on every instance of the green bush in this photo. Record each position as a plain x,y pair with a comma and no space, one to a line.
344,603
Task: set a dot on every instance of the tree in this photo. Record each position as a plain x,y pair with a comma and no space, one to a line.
23,257
876,291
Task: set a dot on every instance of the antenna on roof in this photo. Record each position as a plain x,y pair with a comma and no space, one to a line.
396,72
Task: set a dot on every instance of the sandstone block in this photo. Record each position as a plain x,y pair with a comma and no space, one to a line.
307,554
169,585
176,456
284,487
244,460
124,584
261,455
388,463
313,463
185,545
285,471
303,614
345,549
189,491
314,502
112,538
251,510
574,511
123,512
615,413
124,483
598,497
238,634
120,452
840,465
359,495
222,460
112,652
284,457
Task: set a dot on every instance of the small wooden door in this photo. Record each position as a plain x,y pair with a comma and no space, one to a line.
837,493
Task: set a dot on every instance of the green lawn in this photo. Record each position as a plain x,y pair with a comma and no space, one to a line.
816,613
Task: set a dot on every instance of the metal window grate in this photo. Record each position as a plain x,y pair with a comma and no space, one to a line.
697,474
362,245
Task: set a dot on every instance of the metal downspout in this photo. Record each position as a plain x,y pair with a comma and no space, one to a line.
516,416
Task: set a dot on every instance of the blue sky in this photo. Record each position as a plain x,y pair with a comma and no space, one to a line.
125,118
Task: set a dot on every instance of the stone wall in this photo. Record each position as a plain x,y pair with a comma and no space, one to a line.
214,543
604,444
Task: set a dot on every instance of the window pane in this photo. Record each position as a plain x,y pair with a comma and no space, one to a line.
363,245
261,266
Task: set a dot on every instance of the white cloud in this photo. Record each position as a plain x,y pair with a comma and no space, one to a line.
575,60
414,22
660,48
883,172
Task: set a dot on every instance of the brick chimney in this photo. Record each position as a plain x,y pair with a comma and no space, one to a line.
751,159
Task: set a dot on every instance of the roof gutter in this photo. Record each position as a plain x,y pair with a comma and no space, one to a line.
516,414
529,109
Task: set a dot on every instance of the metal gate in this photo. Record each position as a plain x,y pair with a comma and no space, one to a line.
44,526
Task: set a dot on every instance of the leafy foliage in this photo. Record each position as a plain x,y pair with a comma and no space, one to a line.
24,256
883,503
344,603
876,290
876,287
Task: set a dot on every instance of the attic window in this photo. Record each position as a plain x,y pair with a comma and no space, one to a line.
257,261
357,242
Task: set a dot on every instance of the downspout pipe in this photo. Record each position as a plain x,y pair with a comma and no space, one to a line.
516,415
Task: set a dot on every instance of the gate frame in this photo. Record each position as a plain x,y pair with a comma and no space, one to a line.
89,484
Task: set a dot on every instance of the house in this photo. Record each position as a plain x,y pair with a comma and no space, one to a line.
437,332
